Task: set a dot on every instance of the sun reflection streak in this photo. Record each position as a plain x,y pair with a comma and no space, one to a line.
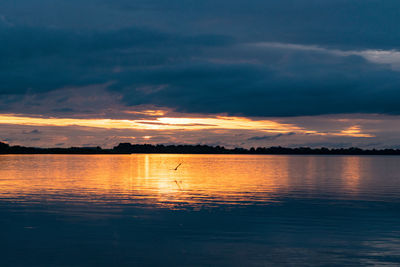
351,173
202,181
141,179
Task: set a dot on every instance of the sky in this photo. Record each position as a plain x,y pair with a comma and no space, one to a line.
232,73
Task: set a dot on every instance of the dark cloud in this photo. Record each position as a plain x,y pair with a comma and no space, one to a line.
303,85
43,59
269,137
202,56
339,23
35,131
63,110
334,23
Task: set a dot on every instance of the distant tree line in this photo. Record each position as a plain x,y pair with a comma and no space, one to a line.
127,148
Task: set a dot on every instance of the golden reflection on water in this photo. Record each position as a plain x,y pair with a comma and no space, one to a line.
150,179
352,173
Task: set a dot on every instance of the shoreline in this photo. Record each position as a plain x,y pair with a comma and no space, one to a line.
127,149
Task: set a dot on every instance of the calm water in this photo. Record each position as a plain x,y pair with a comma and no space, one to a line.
229,210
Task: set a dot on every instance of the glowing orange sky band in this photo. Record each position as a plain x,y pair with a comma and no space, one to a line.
164,123
169,123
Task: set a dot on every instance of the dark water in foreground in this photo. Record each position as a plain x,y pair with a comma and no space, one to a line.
229,210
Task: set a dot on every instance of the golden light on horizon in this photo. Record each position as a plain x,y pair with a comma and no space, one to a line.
178,123
162,123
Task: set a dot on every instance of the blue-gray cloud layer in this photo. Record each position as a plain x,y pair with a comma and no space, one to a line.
233,57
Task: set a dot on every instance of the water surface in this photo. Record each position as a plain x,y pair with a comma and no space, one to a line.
229,210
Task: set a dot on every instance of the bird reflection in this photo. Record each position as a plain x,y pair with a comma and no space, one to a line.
178,184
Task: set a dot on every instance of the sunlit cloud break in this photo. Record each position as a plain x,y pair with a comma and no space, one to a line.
377,56
176,123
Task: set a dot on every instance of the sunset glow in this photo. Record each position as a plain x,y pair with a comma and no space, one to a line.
163,123
100,82
170,123
354,131
199,133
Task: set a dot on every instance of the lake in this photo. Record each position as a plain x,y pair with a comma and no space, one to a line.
214,210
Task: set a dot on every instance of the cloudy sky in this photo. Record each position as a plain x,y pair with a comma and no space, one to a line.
218,72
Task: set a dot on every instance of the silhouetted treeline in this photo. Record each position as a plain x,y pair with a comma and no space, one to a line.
126,148
6,149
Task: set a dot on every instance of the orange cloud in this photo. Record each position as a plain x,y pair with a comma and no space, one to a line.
354,131
177,123
162,123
